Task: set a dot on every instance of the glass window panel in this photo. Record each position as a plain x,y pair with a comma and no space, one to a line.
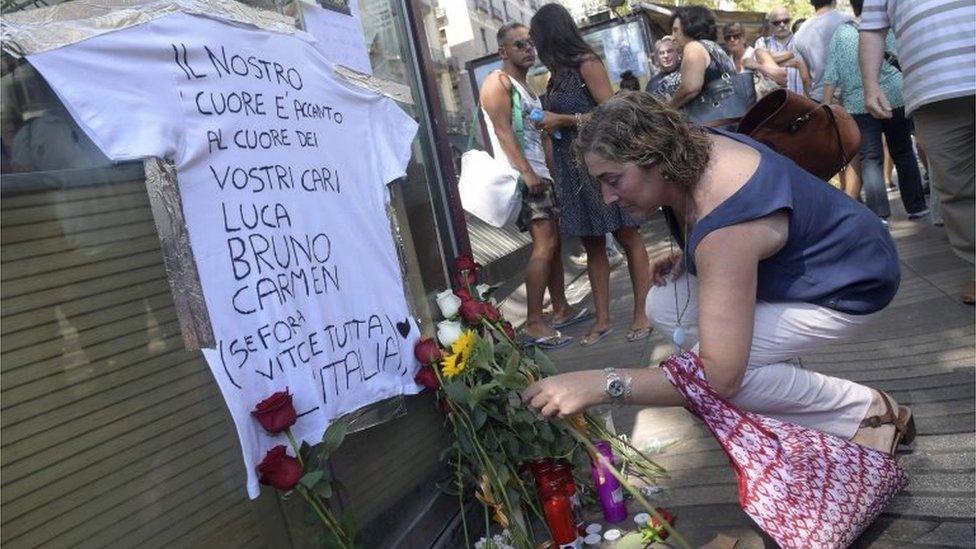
112,432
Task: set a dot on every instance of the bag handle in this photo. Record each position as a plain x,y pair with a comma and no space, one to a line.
517,124
686,370
800,120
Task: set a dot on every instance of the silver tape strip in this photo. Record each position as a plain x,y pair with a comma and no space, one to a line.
181,269
38,30
394,90
32,31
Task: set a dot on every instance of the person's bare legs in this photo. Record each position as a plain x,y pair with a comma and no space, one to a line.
598,270
640,272
561,309
545,243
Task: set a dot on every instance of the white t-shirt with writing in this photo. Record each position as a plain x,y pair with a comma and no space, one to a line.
282,172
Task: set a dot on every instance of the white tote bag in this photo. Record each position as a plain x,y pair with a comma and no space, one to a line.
489,188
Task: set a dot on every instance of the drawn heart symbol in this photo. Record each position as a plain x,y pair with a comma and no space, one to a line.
404,328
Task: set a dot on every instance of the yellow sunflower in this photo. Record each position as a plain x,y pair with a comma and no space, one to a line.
449,366
456,362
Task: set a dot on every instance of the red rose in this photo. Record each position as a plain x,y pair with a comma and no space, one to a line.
472,311
426,351
666,515
425,376
509,331
464,294
465,280
280,470
491,313
465,262
275,413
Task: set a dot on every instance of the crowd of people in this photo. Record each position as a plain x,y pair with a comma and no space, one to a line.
818,58
766,261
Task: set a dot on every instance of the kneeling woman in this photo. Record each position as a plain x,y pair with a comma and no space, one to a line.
773,263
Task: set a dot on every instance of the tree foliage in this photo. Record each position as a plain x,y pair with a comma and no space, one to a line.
798,8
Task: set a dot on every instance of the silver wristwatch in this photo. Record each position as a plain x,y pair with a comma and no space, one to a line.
615,386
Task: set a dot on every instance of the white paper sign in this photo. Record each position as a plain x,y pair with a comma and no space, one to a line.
282,171
340,36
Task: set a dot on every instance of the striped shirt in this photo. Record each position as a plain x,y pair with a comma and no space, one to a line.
936,45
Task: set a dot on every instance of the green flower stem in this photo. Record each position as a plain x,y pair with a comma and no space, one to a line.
623,482
652,469
487,465
325,516
460,484
497,329
519,484
295,446
320,508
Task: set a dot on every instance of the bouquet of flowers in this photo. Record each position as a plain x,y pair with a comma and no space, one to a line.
478,369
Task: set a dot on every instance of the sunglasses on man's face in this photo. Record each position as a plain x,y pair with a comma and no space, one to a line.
524,43
731,37
779,22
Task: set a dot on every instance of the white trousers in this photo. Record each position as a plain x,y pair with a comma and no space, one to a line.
783,331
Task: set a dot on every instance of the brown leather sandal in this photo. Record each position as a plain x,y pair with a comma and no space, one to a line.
904,423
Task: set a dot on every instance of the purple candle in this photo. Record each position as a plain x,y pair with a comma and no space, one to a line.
608,488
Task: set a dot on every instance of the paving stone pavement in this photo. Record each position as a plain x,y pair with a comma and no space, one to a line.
921,349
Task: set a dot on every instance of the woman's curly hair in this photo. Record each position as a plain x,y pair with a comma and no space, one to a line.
636,127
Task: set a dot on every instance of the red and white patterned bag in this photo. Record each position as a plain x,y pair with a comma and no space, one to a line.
804,488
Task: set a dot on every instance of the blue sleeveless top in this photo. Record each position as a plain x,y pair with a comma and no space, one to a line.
837,255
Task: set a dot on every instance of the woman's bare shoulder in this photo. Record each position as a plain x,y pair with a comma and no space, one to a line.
732,165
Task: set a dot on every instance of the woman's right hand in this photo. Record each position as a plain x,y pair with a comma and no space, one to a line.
667,264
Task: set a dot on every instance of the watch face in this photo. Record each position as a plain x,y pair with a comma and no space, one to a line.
615,388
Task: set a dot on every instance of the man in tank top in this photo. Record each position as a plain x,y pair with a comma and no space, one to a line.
531,156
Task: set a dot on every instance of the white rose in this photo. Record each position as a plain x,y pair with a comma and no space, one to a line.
482,290
448,331
448,303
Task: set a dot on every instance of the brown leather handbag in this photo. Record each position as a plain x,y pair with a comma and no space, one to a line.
821,139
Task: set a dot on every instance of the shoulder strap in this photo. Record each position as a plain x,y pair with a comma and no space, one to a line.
517,124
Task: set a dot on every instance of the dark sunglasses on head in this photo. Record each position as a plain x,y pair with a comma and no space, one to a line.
779,22
524,43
